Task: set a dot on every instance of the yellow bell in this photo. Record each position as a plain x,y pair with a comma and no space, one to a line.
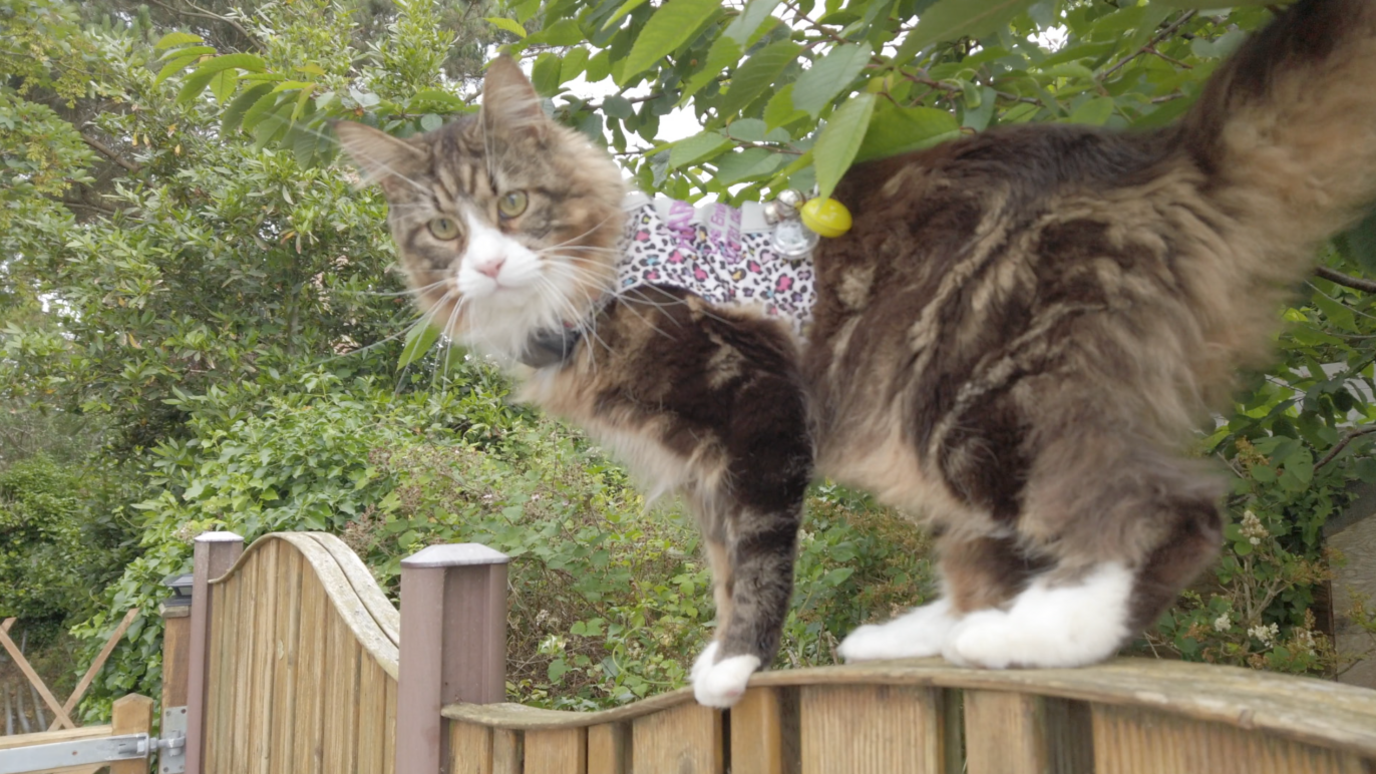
826,217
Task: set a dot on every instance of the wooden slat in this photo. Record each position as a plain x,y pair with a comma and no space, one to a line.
220,691
53,737
1133,740
1033,733
389,762
764,732
470,748
876,729
307,746
372,714
1007,731
564,751
241,680
284,666
684,740
341,696
263,660
609,749
101,658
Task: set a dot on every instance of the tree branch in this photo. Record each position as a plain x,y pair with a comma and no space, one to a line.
204,14
106,151
1342,444
1151,44
1356,283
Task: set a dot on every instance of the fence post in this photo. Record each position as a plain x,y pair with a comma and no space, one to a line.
215,554
132,714
453,645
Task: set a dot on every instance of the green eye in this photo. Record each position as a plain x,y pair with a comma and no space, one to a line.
513,204
443,228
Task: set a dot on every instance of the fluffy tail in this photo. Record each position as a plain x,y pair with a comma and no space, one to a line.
1286,130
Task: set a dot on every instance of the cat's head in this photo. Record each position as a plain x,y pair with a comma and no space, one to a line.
505,221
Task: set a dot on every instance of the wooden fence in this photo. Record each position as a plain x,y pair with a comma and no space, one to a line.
297,663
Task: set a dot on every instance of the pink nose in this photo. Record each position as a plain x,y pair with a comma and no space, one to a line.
492,268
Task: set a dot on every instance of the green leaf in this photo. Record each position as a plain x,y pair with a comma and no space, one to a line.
510,25
669,28
1361,243
750,19
258,111
223,84
544,76
617,106
627,7
564,32
173,67
695,148
1094,112
758,72
191,51
748,130
894,130
950,19
600,66
840,140
574,63
419,340
724,52
828,76
199,79
235,112
176,39
747,164
779,111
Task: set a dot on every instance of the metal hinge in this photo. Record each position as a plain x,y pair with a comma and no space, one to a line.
172,747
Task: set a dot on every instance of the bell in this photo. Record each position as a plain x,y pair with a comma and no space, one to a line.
827,217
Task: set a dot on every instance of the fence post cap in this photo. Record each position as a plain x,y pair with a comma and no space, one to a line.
455,555
219,537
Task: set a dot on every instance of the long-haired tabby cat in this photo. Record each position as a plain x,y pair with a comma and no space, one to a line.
1013,342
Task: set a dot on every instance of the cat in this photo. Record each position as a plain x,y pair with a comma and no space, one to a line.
1014,341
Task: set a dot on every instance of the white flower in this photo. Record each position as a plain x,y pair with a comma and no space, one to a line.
1222,623
1266,634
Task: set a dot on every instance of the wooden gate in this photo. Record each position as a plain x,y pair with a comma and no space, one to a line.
300,664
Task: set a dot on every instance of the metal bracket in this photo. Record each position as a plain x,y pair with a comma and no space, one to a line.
172,747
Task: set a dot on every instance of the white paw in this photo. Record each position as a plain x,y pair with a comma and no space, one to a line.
919,632
704,662
723,683
1047,627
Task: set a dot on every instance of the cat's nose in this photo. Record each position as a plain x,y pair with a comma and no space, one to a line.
492,268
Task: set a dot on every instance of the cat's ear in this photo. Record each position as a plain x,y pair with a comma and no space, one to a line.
381,157
510,105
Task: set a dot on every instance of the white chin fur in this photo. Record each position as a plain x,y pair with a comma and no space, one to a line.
721,683
1047,627
919,632
501,312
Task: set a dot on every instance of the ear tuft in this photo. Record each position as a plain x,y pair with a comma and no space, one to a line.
379,155
510,104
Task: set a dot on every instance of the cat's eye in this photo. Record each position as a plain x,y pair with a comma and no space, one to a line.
443,228
512,204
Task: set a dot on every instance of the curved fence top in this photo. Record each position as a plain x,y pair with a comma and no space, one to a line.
349,586
1306,710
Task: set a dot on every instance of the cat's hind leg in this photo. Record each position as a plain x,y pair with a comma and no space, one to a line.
975,573
1074,617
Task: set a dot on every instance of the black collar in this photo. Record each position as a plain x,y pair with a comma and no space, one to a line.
554,346
551,346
